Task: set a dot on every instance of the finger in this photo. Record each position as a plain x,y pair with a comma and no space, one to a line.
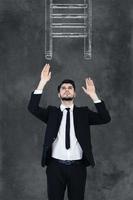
84,89
46,68
90,81
49,74
86,81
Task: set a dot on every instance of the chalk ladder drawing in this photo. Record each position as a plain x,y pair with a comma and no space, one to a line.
68,21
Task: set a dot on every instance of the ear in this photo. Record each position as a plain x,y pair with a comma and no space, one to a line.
59,95
75,94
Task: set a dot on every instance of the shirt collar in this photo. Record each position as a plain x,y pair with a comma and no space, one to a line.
63,107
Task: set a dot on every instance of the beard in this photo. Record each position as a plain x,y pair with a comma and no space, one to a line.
67,98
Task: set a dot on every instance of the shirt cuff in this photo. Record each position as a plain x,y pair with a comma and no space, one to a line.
97,101
38,92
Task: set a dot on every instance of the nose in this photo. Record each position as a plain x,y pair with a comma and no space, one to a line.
67,91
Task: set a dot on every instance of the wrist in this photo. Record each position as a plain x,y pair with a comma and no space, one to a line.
94,97
41,84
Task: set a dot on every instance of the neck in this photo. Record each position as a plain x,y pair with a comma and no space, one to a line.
67,103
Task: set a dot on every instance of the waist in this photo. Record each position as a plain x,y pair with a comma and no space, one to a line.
67,162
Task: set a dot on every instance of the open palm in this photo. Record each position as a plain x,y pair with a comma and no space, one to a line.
90,87
46,74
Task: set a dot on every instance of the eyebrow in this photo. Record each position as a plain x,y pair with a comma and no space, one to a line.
66,86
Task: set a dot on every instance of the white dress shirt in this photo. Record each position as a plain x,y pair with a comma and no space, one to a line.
59,150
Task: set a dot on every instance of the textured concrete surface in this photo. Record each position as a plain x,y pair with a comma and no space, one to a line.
22,58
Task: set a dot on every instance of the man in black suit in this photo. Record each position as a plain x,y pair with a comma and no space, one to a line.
67,149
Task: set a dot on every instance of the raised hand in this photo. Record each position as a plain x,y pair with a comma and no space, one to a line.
45,77
46,74
90,88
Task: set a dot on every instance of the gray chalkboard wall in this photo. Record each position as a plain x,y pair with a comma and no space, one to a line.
22,41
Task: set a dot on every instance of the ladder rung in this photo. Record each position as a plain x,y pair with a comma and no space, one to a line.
68,25
70,35
74,16
68,6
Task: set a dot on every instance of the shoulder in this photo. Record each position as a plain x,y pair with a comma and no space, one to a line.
52,108
81,108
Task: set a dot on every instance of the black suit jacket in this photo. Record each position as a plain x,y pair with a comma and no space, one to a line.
83,118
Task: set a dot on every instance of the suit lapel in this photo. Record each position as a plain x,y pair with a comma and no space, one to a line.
59,118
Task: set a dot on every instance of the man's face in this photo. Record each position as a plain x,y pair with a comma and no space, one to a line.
66,92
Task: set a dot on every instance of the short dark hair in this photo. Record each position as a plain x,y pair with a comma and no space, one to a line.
66,81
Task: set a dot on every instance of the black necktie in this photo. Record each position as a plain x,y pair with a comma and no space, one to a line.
68,129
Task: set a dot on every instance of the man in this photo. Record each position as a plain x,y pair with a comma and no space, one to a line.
67,147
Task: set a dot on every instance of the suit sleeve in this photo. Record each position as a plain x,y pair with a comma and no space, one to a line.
102,115
36,110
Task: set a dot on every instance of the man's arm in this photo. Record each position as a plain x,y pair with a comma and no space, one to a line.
33,106
102,115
